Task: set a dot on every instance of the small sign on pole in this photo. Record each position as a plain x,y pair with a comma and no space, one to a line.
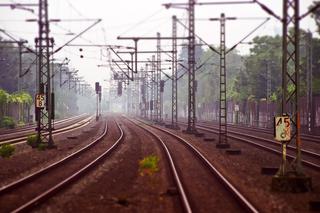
282,128
40,101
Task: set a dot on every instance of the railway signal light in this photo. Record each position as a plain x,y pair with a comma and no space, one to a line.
97,87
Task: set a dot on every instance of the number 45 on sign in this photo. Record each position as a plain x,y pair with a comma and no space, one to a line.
40,102
282,128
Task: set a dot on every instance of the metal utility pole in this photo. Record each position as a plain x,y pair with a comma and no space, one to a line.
146,92
291,177
223,140
97,89
174,117
268,95
44,45
191,71
156,103
143,107
309,56
153,88
159,93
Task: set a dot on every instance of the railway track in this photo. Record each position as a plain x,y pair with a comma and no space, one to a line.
64,127
268,132
310,158
199,181
8,132
32,190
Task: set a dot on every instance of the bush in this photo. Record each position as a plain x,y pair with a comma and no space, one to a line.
149,165
32,140
42,146
6,150
21,123
8,122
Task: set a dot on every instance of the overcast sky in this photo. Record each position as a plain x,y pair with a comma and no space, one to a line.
136,18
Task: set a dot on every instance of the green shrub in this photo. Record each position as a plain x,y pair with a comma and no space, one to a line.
32,140
6,150
8,122
42,146
21,123
149,165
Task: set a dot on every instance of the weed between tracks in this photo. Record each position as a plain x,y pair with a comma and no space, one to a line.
32,140
149,165
6,150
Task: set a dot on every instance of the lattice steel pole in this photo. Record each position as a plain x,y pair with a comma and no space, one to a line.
159,110
310,118
153,88
43,44
290,75
223,140
291,177
174,117
146,92
268,95
191,71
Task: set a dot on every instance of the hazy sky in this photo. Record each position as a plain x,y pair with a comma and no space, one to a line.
135,18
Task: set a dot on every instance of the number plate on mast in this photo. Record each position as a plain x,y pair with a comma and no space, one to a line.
282,128
40,101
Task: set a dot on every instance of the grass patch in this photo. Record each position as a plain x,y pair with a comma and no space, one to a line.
149,165
32,140
42,146
7,122
6,150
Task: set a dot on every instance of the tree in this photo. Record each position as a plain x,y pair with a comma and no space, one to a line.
4,96
316,14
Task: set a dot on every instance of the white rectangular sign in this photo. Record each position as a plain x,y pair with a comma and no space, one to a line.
40,101
282,128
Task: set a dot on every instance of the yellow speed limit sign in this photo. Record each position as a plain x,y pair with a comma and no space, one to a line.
282,128
40,101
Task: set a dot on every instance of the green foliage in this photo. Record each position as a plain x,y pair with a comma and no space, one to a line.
316,86
7,122
21,98
6,150
42,146
32,140
21,123
149,165
4,96
273,97
316,14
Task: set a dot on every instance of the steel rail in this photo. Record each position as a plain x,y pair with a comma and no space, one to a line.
182,193
312,138
290,147
233,136
67,181
243,201
32,126
22,139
